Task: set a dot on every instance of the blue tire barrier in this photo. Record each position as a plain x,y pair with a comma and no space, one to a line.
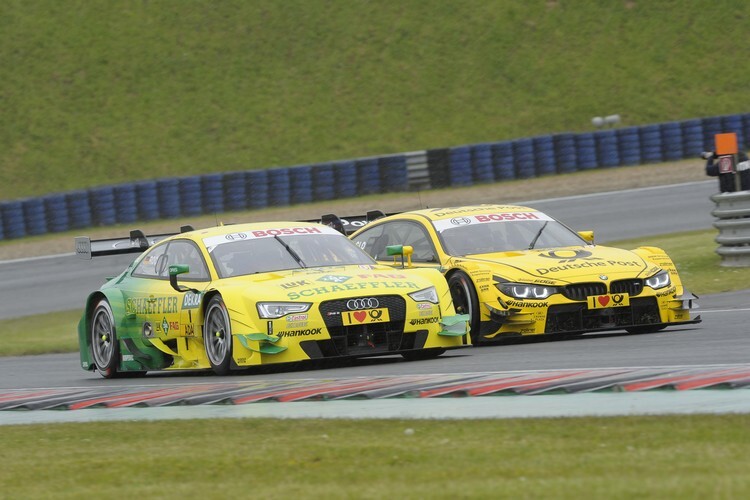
323,183
629,145
393,173
503,162
544,155
168,194
56,208
671,139
12,219
368,176
459,166
191,199
147,200
79,209
523,157
126,205
482,168
692,138
734,123
34,216
651,145
565,152
586,151
212,193
103,206
257,188
279,187
235,191
345,174
711,127
607,153
301,180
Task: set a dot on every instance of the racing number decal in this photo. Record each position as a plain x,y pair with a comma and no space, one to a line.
611,300
365,317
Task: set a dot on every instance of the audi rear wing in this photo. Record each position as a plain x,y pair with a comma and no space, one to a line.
347,225
137,242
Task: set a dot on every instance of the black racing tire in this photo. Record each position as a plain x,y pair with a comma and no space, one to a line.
105,348
217,336
422,354
645,329
465,301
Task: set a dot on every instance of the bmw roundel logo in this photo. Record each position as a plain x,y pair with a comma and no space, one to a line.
357,304
603,277
460,221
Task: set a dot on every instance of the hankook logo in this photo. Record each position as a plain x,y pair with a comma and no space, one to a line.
460,221
569,255
357,304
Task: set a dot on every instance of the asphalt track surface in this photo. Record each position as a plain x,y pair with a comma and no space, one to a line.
62,282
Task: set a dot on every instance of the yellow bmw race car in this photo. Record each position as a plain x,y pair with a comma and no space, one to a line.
517,271
238,296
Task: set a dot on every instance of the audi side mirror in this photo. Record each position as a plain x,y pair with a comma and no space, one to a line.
402,250
175,271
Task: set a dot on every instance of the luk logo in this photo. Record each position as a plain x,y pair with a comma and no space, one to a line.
569,255
332,278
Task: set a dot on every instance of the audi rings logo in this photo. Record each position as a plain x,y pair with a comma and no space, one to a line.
236,236
357,304
460,221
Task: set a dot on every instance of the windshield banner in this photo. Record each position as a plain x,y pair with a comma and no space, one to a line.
442,225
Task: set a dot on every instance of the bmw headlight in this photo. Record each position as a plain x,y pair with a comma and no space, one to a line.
426,295
273,310
659,280
526,291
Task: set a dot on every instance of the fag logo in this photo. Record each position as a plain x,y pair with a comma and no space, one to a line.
569,255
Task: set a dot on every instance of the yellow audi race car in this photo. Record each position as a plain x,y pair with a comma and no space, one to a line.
238,296
517,271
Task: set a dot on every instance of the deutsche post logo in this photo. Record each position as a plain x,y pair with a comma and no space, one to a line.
569,255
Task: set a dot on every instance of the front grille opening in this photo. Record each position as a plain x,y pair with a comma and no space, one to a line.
580,291
372,338
576,318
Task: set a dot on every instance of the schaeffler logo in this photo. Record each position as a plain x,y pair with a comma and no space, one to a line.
460,221
569,255
359,304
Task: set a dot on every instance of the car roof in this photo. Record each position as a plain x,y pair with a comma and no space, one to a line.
450,212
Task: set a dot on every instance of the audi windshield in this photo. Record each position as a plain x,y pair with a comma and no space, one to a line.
507,236
278,253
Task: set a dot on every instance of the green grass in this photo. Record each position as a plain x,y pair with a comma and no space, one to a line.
693,253
97,92
700,456
40,334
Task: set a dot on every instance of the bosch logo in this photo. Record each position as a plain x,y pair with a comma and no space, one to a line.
460,221
236,236
357,304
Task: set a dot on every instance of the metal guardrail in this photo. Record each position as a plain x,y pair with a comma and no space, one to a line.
733,222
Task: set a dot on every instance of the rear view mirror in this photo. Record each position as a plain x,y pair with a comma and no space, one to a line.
587,235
